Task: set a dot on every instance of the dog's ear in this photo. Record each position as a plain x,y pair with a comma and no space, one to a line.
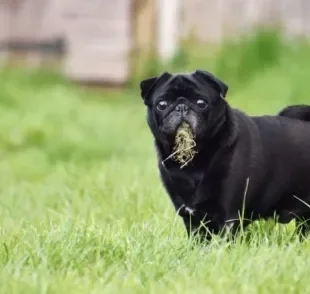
148,85
206,76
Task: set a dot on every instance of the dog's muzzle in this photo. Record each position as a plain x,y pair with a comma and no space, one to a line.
182,109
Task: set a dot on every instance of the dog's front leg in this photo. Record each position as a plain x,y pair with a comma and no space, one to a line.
200,228
229,230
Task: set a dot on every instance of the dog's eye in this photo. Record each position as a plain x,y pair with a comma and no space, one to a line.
162,105
202,104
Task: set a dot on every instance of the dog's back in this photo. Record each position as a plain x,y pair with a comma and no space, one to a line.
286,138
301,112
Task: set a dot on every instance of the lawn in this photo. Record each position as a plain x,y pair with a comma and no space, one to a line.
82,209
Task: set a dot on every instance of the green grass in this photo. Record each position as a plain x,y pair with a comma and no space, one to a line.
82,209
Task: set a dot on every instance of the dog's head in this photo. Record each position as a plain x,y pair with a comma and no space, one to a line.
196,98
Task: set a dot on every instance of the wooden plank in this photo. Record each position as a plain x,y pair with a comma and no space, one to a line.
98,35
88,30
95,9
51,25
30,30
33,20
4,29
111,69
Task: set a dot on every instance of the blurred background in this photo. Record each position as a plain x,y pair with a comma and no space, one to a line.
109,42
70,104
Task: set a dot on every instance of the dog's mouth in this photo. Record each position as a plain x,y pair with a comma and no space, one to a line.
184,145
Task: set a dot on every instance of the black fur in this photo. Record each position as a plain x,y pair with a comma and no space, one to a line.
301,112
268,155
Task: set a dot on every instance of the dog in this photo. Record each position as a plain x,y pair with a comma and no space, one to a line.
246,168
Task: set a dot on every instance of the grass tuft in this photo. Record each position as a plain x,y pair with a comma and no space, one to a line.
183,150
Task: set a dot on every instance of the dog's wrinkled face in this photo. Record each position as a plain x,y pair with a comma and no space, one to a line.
196,98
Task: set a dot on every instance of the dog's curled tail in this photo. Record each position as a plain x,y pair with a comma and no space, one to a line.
301,112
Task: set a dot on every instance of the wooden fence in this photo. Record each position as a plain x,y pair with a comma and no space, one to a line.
93,40
28,27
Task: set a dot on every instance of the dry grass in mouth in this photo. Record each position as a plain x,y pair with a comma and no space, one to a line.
183,150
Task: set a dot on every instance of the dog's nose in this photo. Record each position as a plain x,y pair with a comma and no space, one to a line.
181,108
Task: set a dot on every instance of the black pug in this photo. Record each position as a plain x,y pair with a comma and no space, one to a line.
246,167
